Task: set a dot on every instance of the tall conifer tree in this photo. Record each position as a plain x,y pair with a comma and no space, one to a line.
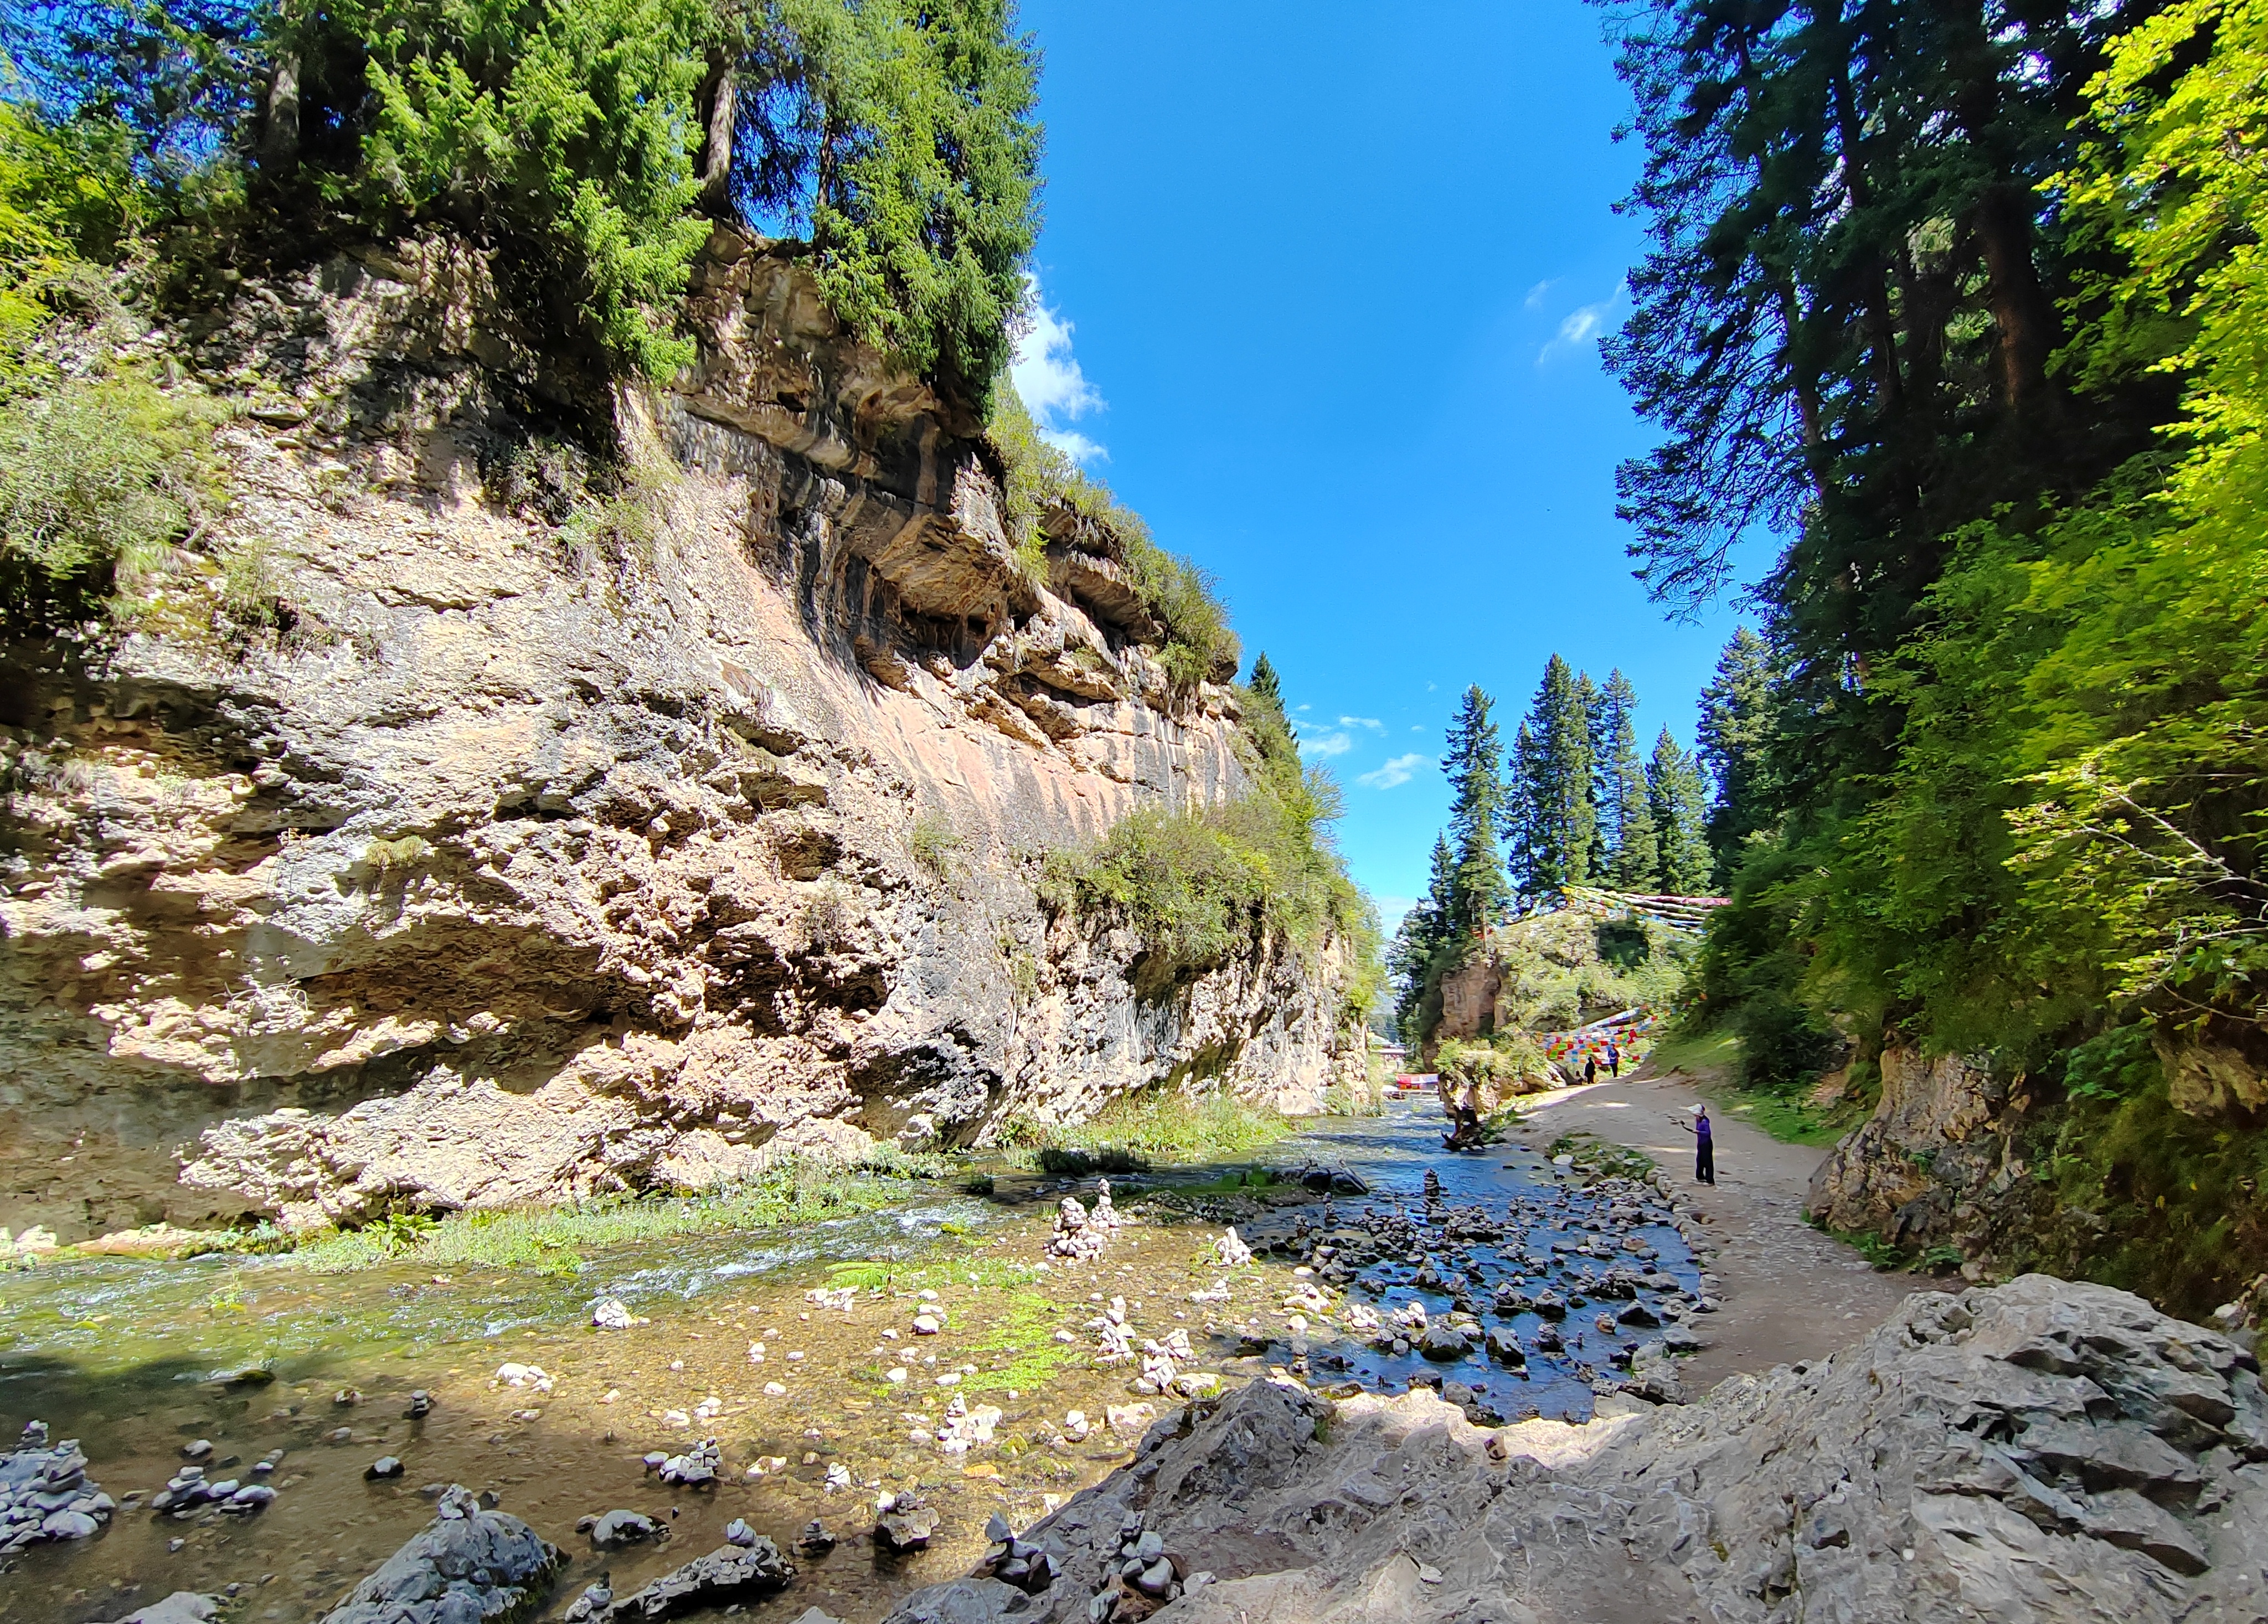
1632,860
1675,794
1556,784
1479,893
1739,719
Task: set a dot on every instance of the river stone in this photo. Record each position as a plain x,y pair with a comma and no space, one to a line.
468,1566
727,1576
1444,1341
622,1528
908,1524
1864,1487
180,1607
1504,1347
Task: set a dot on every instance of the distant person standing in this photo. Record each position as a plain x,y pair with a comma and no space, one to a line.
1590,1068
1704,1149
1614,1059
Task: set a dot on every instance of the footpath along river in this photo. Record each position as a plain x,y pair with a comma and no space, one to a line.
1538,1283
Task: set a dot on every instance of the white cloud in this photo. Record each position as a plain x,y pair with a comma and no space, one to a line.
1325,744
1390,910
1536,294
1048,379
1417,727
1372,722
1582,325
1395,773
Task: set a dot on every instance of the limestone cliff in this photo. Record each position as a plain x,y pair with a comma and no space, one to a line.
466,841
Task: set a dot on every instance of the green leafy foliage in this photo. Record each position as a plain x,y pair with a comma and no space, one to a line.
1508,1063
593,142
1205,884
1993,780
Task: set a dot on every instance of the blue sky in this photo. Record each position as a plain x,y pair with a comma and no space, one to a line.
1324,286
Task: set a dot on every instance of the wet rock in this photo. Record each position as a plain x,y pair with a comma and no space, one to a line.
696,1468
1444,1341
620,1527
468,1564
730,1575
613,1316
907,1523
1504,1347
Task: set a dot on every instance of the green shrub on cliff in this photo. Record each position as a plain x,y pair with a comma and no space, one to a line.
97,477
1179,595
1206,884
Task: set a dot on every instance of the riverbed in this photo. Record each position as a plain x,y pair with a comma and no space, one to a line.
800,1354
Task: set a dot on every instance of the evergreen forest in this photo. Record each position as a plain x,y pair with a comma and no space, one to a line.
1952,314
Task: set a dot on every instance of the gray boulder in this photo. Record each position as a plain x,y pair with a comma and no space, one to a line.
468,1566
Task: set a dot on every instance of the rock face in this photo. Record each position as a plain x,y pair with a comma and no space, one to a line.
1938,1141
472,840
2041,1451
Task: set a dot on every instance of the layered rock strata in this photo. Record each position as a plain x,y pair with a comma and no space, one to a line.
453,838
2041,1451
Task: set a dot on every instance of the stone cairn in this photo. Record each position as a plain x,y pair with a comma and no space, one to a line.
1013,1562
45,1494
1146,1577
1077,1238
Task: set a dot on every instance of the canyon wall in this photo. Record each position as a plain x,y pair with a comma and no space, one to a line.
438,837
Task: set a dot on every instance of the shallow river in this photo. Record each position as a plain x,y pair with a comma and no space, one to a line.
139,1360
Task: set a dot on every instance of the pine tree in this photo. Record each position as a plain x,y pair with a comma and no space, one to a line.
1554,783
1415,957
1739,719
1523,821
1674,794
1266,687
1474,761
1632,858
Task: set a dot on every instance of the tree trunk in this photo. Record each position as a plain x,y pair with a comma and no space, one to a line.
2023,313
279,124
720,101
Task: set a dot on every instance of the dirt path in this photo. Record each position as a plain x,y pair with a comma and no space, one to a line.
1787,1292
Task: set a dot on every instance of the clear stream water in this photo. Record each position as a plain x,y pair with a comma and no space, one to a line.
137,1359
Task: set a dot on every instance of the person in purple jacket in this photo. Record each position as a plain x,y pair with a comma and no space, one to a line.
1705,1148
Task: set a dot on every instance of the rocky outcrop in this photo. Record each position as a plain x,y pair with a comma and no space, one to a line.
453,837
1938,1144
480,1566
2041,1451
